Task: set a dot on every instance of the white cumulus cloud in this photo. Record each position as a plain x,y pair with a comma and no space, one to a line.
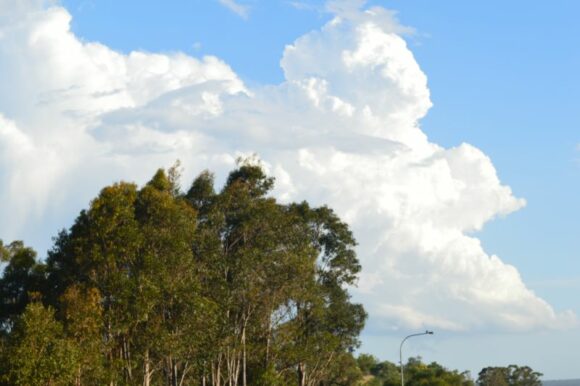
342,129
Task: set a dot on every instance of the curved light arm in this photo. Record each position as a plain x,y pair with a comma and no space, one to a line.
401,352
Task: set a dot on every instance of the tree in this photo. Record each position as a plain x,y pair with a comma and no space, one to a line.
23,277
524,376
511,375
367,363
133,247
388,373
153,286
493,376
171,310
344,371
100,251
38,352
434,374
280,269
82,313
417,373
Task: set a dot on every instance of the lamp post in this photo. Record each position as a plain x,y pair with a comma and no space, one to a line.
401,352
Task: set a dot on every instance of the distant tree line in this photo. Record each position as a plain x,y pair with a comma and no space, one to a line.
416,373
508,376
376,373
159,286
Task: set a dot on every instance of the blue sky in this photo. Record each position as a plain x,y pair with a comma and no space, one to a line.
502,77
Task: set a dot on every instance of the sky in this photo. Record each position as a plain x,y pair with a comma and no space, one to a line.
445,133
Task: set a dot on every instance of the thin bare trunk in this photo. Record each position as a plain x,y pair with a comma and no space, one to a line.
216,372
317,371
173,374
78,377
233,362
186,368
126,356
146,370
110,352
237,366
302,374
268,340
244,383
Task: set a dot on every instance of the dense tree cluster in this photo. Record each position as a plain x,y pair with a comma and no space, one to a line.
417,373
509,376
376,373
153,286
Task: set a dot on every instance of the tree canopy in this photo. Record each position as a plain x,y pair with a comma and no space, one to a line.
417,373
511,375
155,286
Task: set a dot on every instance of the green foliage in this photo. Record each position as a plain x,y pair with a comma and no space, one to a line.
344,371
81,313
153,286
367,363
38,352
4,253
201,191
511,375
434,374
388,373
250,178
23,277
417,373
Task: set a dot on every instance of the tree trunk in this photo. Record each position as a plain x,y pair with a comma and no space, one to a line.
268,340
146,370
174,381
110,353
302,374
78,377
184,372
237,366
126,355
244,383
216,372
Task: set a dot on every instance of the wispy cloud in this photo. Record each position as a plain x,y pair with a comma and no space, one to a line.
305,6
242,11
197,46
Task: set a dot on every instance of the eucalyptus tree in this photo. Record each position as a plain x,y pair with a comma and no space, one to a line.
153,286
512,375
37,352
81,314
101,251
23,276
257,258
279,273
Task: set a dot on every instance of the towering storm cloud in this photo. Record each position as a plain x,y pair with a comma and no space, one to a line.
343,129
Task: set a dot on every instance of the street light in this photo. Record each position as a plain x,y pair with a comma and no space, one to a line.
401,352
